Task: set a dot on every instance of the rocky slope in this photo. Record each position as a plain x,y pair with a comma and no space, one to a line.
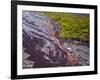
39,48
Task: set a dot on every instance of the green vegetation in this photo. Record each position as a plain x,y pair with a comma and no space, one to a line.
72,25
